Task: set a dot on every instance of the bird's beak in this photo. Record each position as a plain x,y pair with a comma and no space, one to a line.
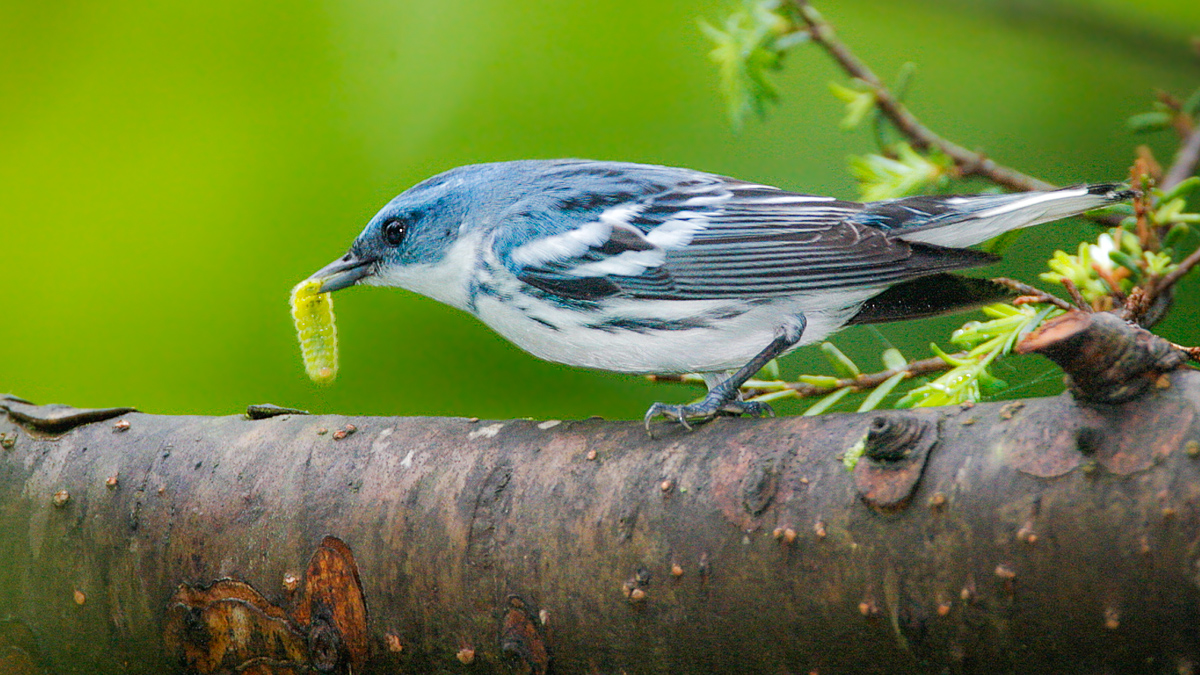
343,272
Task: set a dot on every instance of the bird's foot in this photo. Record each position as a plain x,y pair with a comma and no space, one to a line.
705,410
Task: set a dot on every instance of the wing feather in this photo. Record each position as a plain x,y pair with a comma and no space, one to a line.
653,232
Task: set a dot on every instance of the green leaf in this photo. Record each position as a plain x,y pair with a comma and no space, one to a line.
903,80
947,357
770,371
841,363
877,395
859,99
746,48
893,359
854,453
989,383
1156,120
1182,190
1192,105
1125,260
827,402
886,134
906,173
1176,235
1078,268
1159,263
774,396
1048,313
969,378
821,381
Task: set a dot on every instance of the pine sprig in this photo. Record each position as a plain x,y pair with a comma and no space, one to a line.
747,48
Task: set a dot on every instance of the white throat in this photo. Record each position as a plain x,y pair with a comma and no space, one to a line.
447,280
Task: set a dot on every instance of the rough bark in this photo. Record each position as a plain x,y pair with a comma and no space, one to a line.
1107,359
1030,536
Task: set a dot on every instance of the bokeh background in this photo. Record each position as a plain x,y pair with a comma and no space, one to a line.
169,170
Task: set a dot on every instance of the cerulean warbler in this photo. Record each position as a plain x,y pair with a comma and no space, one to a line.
650,269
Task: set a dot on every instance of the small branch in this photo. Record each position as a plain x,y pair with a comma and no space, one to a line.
1029,294
1171,278
1185,162
969,163
872,380
1114,286
1147,304
1193,353
863,382
1072,290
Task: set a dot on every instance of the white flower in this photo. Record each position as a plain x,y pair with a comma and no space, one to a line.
1099,251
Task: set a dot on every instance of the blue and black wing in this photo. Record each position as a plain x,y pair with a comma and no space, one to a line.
604,229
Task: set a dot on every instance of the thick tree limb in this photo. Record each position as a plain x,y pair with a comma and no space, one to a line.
1029,536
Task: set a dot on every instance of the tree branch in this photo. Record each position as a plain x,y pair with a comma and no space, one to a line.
976,540
1031,294
969,163
1106,359
1148,304
1156,292
872,380
1186,160
863,382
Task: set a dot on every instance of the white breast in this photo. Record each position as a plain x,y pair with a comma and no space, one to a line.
619,335
622,334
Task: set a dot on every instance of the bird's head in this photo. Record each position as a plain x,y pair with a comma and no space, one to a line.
409,236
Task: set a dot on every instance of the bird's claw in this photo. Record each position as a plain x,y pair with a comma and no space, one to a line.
706,410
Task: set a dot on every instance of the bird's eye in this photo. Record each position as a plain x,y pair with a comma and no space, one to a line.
393,232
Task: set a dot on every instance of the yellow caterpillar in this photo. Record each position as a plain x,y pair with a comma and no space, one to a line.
313,313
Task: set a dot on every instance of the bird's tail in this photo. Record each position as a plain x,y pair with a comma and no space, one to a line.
958,221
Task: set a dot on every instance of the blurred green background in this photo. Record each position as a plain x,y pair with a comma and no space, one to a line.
169,170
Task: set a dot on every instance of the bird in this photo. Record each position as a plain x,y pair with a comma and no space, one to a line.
648,269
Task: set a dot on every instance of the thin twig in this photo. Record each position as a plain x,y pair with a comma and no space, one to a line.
1033,294
1185,162
1193,353
969,163
869,381
1072,290
863,382
1114,286
1171,278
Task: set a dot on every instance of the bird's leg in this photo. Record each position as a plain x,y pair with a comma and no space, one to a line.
723,397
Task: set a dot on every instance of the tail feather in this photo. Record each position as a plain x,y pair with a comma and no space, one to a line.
929,296
964,220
